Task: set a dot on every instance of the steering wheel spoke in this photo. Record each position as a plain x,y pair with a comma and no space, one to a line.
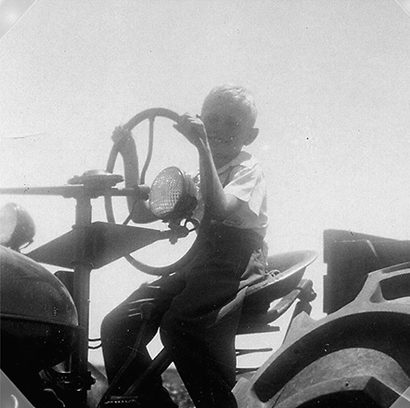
151,120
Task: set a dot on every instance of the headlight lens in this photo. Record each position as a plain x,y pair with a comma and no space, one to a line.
172,195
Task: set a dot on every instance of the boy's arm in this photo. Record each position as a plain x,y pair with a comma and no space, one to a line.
217,202
220,204
126,147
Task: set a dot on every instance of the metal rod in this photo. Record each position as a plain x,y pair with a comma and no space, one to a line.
157,367
77,191
52,190
81,296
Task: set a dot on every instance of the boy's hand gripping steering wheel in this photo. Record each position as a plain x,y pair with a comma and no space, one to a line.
150,115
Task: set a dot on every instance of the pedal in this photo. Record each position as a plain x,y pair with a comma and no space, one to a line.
122,401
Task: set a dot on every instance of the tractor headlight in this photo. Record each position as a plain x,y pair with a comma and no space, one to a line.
16,226
173,195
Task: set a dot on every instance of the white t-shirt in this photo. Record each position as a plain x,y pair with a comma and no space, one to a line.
243,178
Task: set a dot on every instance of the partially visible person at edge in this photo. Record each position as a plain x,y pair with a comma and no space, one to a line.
200,341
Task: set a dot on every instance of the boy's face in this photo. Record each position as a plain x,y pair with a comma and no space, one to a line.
227,130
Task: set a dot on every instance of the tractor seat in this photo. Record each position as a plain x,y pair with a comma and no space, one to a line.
283,281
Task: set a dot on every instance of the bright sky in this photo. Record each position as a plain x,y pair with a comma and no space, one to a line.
331,81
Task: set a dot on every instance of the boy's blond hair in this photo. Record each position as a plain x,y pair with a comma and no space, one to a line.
237,95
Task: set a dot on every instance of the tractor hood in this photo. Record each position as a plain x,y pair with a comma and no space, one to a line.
30,292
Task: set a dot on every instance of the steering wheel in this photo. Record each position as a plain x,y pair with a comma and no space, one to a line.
150,115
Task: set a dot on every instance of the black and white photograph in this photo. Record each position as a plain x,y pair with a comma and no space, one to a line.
205,204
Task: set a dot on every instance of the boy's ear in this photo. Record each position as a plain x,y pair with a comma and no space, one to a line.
253,133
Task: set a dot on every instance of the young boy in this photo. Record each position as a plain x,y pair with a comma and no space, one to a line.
186,304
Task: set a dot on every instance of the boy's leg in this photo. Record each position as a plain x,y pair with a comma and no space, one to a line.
121,327
203,347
